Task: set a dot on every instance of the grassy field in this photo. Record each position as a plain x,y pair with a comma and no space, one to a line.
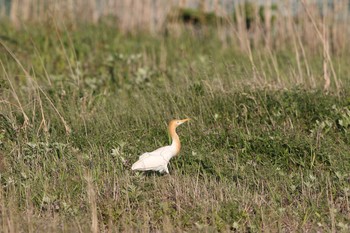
267,149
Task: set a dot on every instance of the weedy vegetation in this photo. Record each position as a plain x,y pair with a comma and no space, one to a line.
268,147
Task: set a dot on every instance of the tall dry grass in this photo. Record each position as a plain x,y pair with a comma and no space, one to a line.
151,15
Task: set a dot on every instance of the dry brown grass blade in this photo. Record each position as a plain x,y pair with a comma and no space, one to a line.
327,57
43,123
92,201
67,128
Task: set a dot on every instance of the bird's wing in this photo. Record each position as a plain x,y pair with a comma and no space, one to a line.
155,160
156,152
150,162
144,155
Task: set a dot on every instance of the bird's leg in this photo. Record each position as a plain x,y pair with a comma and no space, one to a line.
166,169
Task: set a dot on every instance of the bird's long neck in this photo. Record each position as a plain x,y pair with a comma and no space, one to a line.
175,138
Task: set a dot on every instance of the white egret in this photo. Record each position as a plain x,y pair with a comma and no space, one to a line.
158,160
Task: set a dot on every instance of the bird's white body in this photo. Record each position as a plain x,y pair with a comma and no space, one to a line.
158,160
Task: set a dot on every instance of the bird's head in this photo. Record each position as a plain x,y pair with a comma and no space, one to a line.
176,123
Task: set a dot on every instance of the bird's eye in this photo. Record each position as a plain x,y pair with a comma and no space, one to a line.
177,122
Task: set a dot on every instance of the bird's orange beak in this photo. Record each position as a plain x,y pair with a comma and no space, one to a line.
184,120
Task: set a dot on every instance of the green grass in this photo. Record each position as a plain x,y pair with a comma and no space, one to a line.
258,155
